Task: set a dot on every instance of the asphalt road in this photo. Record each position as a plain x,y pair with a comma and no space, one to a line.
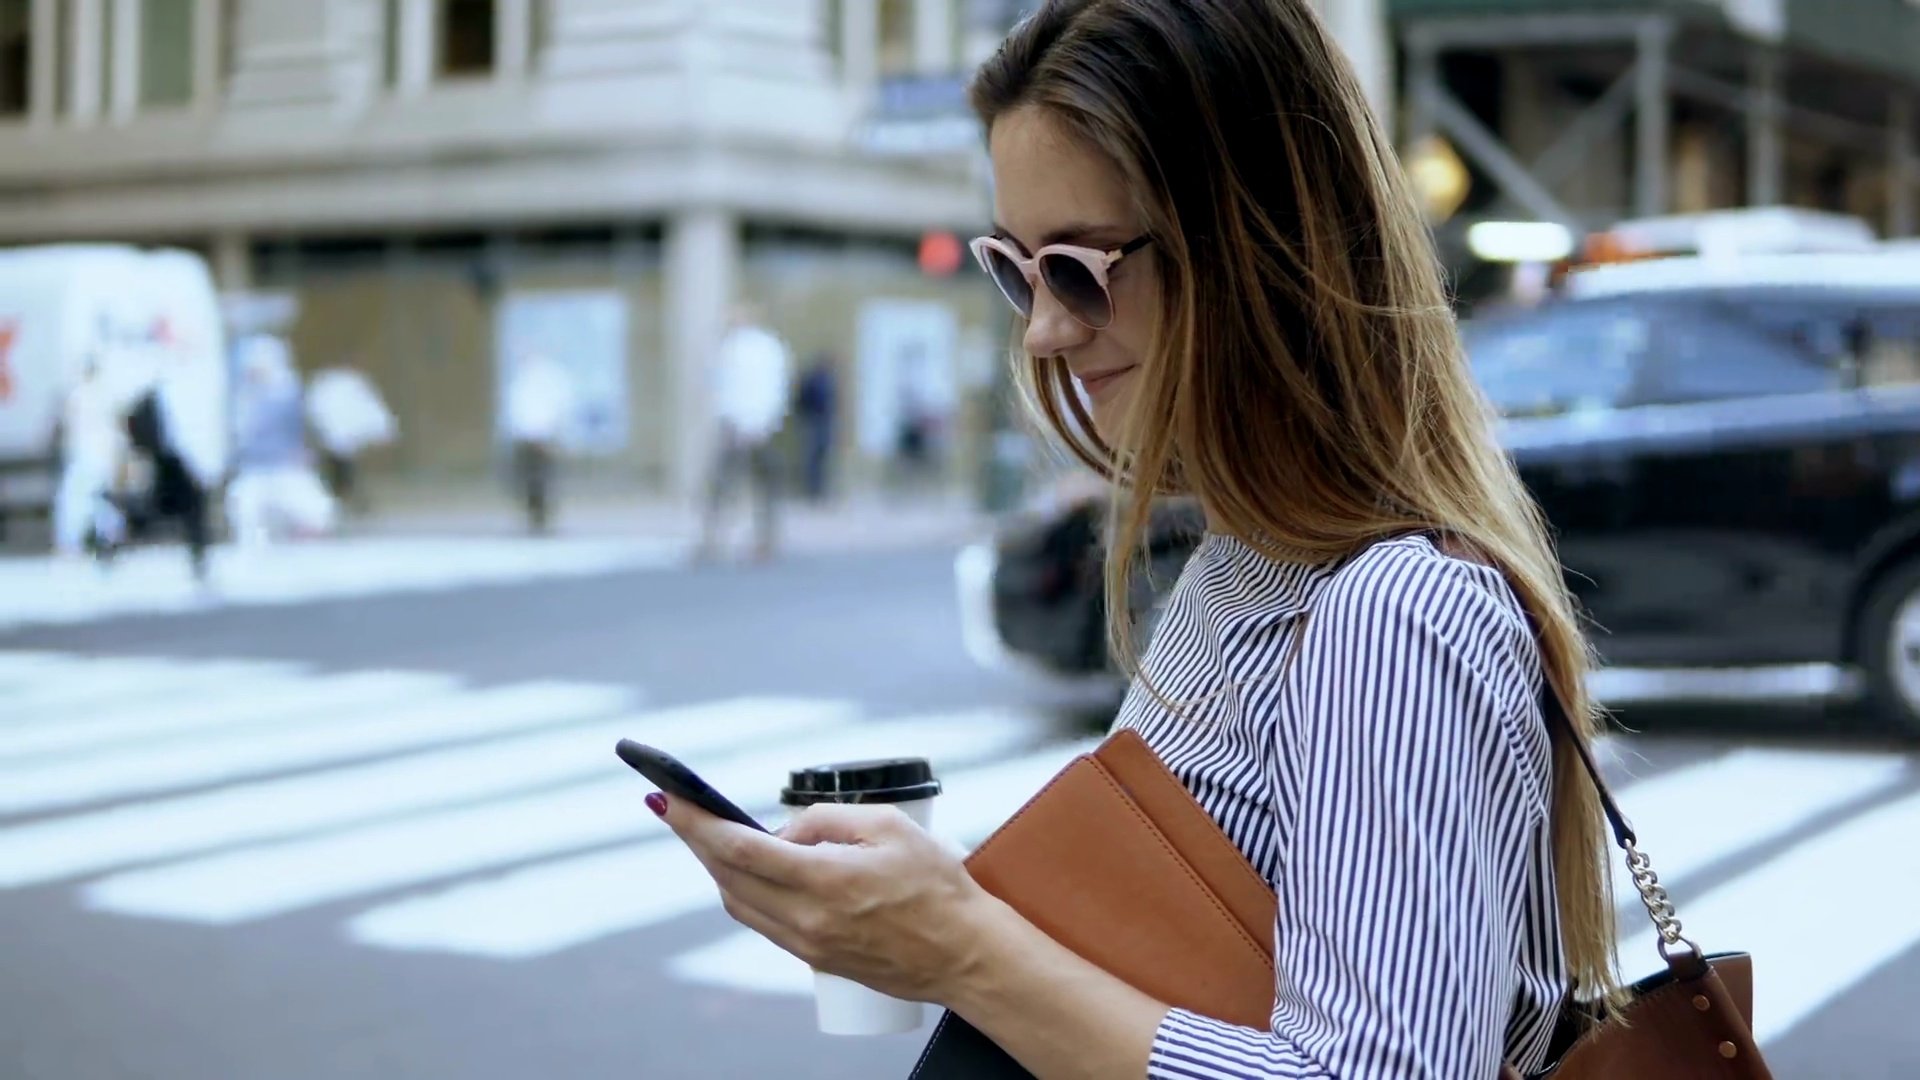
306,831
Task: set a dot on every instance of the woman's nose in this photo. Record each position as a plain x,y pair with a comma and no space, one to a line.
1050,330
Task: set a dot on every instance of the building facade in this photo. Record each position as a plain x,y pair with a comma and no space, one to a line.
435,182
439,183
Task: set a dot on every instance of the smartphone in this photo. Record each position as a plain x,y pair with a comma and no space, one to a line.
674,778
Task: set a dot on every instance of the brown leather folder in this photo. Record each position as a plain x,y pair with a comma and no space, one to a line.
1115,860
1115,845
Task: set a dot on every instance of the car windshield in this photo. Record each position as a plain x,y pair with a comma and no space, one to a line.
1551,362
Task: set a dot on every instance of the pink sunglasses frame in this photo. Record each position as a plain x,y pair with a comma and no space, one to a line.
1098,261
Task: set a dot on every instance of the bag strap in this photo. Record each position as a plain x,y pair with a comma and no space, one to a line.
1672,942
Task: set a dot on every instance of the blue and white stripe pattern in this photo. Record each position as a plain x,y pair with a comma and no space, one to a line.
1393,787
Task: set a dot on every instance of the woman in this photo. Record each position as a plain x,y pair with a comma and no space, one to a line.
1231,269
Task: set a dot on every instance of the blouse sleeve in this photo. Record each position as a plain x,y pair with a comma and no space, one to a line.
1408,805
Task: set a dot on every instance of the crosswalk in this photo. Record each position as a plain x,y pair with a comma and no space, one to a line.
420,814
43,590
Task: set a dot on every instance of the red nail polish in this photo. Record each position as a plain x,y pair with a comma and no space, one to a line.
657,803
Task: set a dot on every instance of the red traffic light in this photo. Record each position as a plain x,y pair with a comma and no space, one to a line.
940,253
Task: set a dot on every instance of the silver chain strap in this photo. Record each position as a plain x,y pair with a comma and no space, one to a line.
1659,907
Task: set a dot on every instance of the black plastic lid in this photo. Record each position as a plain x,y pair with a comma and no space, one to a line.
889,780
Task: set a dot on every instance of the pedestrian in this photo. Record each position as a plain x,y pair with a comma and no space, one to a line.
348,416
751,380
815,406
92,447
275,488
540,407
1200,222
181,472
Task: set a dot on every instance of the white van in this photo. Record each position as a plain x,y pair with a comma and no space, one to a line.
146,314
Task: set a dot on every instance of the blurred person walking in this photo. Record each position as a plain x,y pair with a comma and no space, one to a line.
274,483
348,416
539,409
182,471
93,445
816,406
751,393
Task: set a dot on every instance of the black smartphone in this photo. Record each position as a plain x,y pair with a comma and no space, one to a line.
674,778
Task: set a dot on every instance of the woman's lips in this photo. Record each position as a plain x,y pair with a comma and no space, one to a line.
1095,381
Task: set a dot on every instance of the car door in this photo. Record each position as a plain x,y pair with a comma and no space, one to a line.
1744,450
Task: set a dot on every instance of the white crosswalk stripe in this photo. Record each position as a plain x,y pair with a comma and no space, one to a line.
336,798
137,770
43,590
495,822
255,883
83,684
236,702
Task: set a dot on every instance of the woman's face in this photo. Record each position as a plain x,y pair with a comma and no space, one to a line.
1050,189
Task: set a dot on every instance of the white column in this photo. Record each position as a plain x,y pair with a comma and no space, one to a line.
123,88
512,38
416,47
209,46
44,30
86,37
1360,27
860,45
934,51
702,266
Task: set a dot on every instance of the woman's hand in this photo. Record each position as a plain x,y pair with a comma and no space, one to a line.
857,891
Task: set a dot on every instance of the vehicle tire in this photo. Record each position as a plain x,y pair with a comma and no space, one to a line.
1889,647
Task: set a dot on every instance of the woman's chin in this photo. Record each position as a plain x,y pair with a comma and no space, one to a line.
1109,419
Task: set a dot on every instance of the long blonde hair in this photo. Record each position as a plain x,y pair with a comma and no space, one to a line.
1306,382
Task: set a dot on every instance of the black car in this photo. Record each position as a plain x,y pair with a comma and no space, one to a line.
1732,473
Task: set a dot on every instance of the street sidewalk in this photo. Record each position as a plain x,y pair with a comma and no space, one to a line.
855,523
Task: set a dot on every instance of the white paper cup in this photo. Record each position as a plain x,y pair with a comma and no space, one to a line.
845,1007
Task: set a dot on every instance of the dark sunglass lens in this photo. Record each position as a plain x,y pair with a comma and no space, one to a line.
1013,284
1073,284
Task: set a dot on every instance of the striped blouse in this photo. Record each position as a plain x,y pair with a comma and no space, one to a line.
1393,787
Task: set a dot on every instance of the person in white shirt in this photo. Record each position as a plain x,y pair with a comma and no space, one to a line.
752,390
275,490
348,416
539,409
94,446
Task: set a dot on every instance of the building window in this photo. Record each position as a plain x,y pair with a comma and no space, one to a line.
896,38
830,16
390,31
16,56
467,44
230,12
166,52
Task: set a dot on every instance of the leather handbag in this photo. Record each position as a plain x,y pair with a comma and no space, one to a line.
1115,845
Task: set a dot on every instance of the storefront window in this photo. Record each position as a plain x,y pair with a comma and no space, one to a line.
466,38
16,56
166,52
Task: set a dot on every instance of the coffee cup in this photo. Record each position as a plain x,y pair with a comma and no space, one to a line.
845,1007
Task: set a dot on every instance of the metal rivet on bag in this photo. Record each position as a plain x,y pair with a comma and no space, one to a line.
1700,1002
1727,1050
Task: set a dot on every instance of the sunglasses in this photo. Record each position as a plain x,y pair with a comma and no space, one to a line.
1076,276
